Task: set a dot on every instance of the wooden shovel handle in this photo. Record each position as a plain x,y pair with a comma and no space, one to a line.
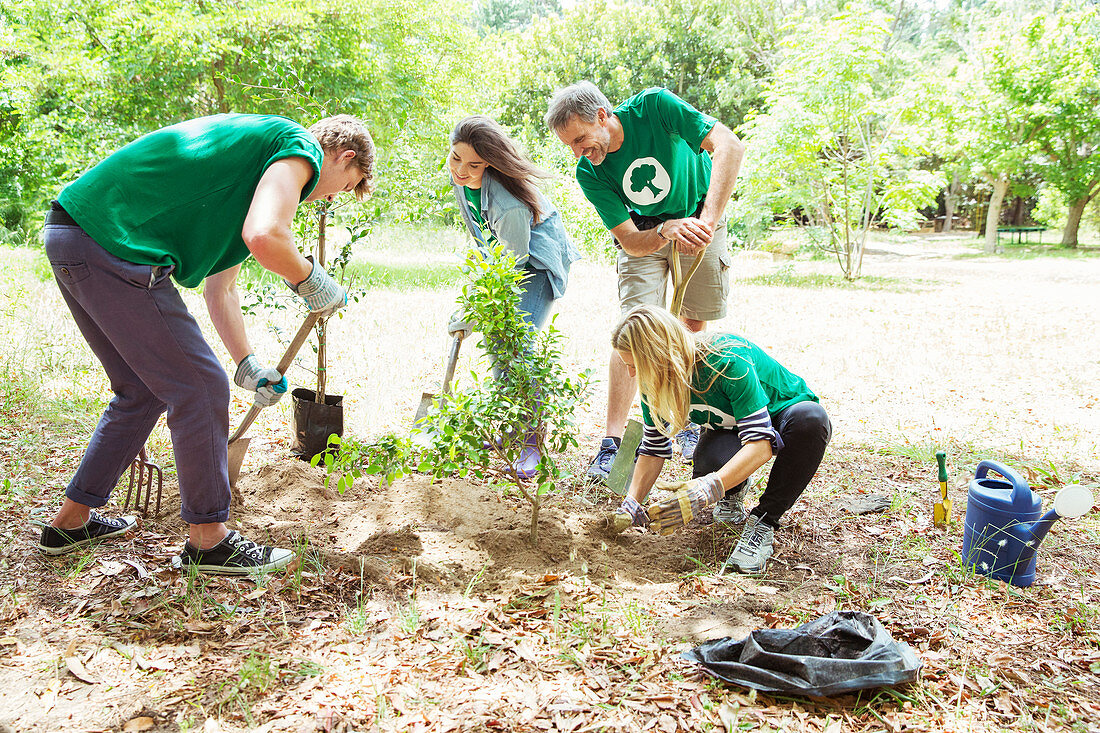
452,361
679,287
281,367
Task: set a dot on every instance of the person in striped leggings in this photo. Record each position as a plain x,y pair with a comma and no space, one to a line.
751,409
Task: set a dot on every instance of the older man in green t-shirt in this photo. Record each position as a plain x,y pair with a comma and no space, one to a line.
188,202
659,173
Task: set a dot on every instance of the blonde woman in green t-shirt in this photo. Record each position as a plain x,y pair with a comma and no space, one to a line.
750,407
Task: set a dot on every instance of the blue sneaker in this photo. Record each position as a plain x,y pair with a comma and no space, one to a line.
688,439
600,467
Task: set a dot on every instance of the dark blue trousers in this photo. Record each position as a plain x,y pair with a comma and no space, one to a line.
805,429
157,360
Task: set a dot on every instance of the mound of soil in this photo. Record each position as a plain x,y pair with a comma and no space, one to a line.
453,532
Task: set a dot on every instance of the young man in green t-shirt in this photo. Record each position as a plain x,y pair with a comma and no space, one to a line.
659,173
188,202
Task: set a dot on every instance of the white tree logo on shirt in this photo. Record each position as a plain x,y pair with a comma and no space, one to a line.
646,182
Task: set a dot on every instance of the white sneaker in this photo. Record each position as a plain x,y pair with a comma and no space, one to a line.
751,554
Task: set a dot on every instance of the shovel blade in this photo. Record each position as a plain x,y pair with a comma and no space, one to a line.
237,449
426,400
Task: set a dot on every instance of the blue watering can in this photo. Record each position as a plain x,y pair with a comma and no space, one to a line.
1004,523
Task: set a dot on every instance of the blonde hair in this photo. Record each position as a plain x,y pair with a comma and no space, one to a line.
344,132
665,354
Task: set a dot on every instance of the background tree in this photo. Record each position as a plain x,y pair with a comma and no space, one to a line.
1051,72
94,75
831,141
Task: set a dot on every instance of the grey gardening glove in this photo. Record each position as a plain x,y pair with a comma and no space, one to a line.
688,499
267,383
629,514
458,325
321,293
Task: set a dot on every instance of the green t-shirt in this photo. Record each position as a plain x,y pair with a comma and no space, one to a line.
659,170
179,196
473,198
737,380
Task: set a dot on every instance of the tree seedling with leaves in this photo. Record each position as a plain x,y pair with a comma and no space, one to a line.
481,430
347,459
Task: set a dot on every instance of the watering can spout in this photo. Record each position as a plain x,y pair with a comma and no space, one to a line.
1071,501
1032,534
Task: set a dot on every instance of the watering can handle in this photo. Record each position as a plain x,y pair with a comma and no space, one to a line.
1019,486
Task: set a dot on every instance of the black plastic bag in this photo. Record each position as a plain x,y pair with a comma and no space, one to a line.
842,651
313,422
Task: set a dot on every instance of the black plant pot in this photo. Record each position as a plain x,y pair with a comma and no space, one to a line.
313,422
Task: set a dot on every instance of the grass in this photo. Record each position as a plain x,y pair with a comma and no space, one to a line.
408,616
1034,251
786,277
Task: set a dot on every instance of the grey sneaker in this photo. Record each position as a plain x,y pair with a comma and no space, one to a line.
688,440
730,509
751,554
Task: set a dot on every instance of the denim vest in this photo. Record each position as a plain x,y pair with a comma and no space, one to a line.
544,246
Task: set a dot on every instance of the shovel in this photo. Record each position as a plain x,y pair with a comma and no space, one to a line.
941,511
427,398
238,445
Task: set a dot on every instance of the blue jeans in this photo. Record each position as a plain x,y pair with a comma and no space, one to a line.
157,360
535,303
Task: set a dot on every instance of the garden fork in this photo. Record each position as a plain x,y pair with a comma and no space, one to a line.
142,471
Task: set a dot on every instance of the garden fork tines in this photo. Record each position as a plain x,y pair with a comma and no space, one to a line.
142,471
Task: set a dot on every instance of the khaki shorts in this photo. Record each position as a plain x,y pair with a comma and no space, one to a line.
642,280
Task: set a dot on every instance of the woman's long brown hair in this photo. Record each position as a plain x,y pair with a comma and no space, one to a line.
516,173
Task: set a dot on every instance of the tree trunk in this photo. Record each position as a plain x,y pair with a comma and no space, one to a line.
1073,221
218,76
993,214
949,203
322,357
536,502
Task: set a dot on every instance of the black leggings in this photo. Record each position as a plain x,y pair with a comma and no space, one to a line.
805,430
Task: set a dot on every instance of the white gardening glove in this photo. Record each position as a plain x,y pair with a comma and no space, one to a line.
459,325
321,293
267,383
688,499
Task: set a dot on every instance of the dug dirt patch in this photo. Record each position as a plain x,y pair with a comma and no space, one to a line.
459,534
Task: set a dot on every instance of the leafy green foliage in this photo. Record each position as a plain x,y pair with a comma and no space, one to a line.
347,459
707,53
482,429
830,142
95,75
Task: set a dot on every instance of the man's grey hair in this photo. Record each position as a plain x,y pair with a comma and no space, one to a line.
582,100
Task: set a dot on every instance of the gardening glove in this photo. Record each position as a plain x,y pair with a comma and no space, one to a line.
267,383
321,293
629,514
458,325
688,499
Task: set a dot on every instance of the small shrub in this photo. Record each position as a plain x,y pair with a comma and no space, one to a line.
481,430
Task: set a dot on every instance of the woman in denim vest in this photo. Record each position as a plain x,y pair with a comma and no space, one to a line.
495,186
